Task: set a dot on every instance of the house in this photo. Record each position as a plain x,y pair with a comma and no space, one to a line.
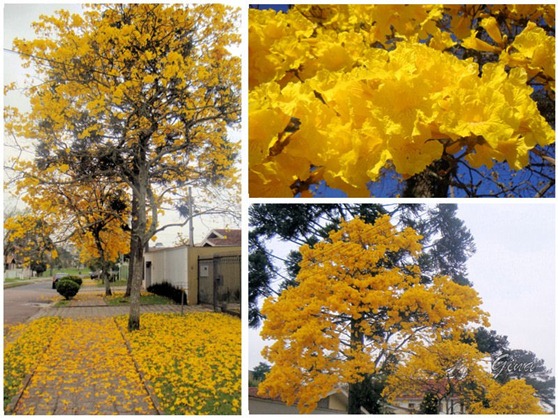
223,237
10,262
187,268
335,403
410,403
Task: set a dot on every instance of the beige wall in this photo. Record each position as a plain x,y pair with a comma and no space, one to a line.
179,266
264,406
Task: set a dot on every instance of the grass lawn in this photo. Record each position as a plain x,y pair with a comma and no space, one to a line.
145,299
100,283
69,271
192,361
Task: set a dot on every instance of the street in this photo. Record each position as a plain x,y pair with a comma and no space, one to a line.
22,302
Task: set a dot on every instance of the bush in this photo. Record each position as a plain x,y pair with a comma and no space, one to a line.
169,291
76,279
67,288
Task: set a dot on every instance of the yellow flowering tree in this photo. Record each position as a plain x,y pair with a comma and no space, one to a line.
455,375
354,310
513,397
144,94
27,236
343,95
94,215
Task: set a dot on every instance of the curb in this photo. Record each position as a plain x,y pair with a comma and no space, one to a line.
146,384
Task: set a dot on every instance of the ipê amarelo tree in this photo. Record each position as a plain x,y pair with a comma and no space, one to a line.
353,312
143,93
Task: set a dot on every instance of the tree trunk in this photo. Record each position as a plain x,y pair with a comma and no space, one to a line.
355,388
434,181
104,265
137,263
132,249
105,276
139,233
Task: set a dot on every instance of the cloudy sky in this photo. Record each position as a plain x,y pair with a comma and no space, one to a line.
513,270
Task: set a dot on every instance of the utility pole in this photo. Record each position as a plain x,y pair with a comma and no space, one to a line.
191,217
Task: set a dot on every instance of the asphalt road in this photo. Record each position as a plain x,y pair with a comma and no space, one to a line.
22,302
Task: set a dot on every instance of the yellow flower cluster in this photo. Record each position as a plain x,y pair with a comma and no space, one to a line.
331,97
193,362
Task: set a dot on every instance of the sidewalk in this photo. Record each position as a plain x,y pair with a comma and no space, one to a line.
87,368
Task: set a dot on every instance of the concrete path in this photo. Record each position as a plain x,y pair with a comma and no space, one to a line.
92,311
87,367
79,376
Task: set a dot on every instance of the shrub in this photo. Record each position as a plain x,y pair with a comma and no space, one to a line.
169,291
76,279
67,288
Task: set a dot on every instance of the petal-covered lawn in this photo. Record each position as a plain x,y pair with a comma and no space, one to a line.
192,362
24,351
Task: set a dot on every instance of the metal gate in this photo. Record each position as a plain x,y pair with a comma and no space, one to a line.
219,282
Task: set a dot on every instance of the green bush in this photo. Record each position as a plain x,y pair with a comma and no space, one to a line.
67,288
76,279
169,291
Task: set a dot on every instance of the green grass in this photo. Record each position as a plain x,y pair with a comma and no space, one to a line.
122,282
14,280
69,271
149,299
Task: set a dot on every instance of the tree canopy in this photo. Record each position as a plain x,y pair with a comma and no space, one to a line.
144,95
447,242
354,312
411,100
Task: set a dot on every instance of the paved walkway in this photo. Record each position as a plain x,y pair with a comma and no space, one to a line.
98,311
87,367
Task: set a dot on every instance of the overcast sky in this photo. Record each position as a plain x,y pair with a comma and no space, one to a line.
18,18
513,270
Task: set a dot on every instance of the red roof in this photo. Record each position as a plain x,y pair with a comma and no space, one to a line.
439,387
223,238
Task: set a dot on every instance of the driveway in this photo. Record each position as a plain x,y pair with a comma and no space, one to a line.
22,302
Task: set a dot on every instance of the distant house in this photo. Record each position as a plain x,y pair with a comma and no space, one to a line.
197,270
223,238
409,403
10,262
335,403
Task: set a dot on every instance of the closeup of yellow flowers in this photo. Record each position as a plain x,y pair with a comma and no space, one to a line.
338,93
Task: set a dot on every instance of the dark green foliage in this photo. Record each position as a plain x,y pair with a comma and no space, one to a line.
169,291
260,371
490,342
38,267
67,288
429,404
76,279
